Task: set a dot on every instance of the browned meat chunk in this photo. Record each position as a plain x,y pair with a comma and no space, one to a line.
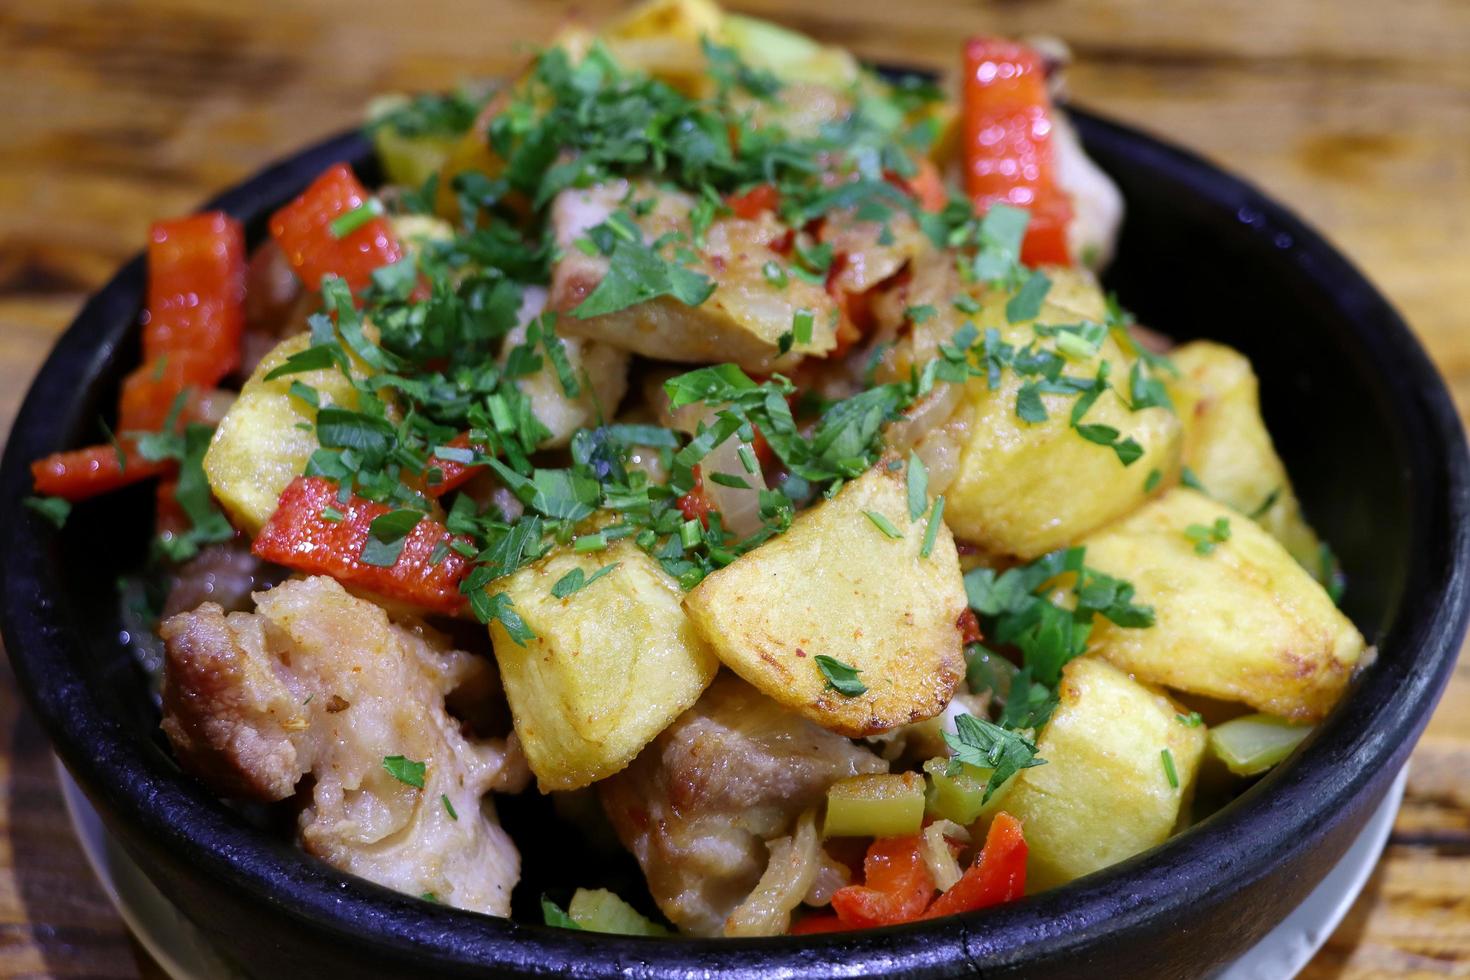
698,804
319,682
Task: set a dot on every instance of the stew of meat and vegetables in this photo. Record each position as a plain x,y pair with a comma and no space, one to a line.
736,445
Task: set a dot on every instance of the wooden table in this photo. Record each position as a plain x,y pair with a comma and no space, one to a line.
116,113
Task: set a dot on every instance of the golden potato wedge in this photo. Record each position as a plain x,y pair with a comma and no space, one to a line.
611,665
257,448
1024,488
743,319
1244,622
1104,793
1228,448
835,584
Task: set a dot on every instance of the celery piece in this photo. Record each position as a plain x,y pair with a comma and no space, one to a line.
599,910
960,797
875,805
1251,744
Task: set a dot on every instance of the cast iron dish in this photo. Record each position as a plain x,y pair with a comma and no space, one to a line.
1381,466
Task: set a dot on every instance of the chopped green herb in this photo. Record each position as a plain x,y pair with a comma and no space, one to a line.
349,221
1169,770
920,313
576,580
883,524
801,326
1266,505
404,770
775,274
448,806
333,515
918,486
1026,304
54,509
1152,482
931,533
1191,720
986,745
555,916
840,676
1205,538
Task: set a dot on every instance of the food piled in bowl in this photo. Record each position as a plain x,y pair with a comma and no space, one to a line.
738,445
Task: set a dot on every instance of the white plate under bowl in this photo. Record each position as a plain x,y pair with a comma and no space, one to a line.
184,954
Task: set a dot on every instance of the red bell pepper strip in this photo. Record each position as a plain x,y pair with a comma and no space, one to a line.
926,185
79,474
751,203
998,873
148,393
897,888
1007,147
299,537
452,473
196,292
304,231
969,626
695,505
817,923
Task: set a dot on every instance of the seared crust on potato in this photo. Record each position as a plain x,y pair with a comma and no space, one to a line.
1104,793
611,664
836,584
1244,622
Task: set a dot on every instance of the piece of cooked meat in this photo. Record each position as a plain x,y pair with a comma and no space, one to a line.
743,319
319,682
698,804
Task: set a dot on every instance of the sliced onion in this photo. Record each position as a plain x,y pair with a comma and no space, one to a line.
831,875
789,874
739,507
928,413
942,448
937,853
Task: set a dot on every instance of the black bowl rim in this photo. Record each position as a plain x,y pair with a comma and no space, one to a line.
1342,769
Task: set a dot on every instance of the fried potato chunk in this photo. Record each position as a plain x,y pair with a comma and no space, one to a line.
1235,619
1104,793
318,682
610,666
1024,488
258,448
698,803
1228,448
742,321
837,584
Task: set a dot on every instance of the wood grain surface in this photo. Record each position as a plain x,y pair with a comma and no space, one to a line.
114,113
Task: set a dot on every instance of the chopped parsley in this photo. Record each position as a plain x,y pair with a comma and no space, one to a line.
986,745
1169,771
883,524
448,806
1207,537
54,509
555,915
576,580
917,486
840,676
406,771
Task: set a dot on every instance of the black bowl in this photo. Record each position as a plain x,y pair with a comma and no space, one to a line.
1362,419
